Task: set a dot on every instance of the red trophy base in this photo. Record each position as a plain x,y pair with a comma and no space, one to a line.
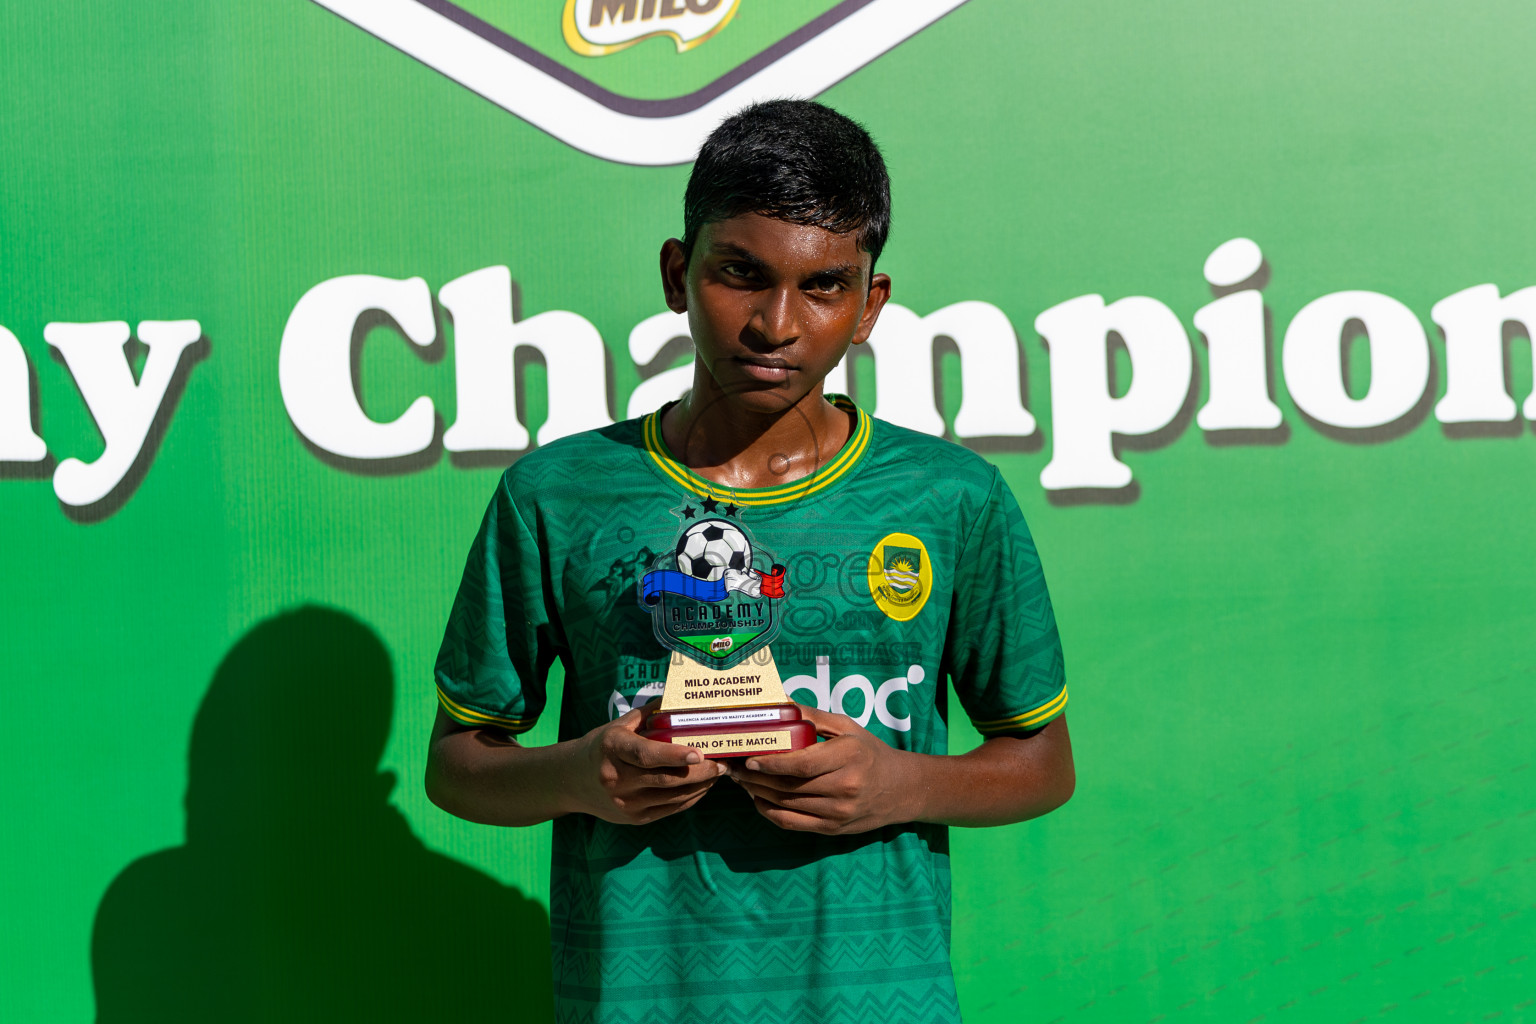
733,732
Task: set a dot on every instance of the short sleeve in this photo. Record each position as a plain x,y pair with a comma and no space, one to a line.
1003,651
497,648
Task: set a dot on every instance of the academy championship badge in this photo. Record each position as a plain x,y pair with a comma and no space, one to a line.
707,598
714,602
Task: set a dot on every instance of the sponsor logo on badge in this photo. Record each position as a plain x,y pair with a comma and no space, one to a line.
714,597
666,126
900,575
596,28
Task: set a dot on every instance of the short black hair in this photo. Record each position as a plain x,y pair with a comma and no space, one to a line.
796,161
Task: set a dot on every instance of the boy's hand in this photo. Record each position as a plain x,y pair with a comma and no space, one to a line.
631,780
851,782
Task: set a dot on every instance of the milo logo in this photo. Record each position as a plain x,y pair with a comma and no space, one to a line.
595,28
721,644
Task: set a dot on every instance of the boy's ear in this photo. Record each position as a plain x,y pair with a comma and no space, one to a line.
674,275
874,302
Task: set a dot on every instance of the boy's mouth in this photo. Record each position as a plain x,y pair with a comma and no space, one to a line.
764,368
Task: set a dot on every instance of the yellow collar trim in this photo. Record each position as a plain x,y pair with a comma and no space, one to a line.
817,481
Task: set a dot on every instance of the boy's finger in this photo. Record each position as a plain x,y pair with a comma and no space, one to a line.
820,804
632,748
670,796
630,721
633,720
679,777
796,821
776,783
657,811
826,723
805,763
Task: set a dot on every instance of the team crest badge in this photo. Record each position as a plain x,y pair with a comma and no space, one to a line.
900,575
715,596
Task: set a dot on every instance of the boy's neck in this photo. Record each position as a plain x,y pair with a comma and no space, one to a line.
746,448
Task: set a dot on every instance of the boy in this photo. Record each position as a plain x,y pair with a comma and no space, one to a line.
811,885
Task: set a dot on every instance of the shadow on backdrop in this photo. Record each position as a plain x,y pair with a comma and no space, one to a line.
300,893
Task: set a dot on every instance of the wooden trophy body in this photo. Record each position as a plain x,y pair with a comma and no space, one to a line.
730,712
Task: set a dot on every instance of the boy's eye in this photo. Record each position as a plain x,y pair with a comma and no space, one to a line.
826,284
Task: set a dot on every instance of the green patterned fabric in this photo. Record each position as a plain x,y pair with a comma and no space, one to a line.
908,562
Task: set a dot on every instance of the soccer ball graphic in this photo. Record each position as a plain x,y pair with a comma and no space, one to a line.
710,547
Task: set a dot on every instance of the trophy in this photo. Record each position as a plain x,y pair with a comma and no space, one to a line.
716,611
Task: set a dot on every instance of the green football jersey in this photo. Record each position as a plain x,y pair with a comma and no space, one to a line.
904,561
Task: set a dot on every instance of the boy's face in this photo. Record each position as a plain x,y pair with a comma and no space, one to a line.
772,306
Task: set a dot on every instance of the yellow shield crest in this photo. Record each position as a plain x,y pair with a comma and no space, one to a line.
900,575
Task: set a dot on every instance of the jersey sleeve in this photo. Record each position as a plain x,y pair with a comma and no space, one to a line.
1003,651
498,646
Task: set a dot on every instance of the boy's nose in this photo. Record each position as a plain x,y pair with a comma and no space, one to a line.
775,320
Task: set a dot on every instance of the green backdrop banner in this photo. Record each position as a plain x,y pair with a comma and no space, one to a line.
1236,296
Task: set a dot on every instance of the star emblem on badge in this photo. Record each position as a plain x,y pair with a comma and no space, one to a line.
709,506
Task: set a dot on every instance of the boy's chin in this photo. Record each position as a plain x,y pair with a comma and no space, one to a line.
765,399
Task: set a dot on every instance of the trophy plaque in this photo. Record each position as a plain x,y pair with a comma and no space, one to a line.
728,712
716,611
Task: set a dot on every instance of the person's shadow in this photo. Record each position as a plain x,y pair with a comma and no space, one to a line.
301,894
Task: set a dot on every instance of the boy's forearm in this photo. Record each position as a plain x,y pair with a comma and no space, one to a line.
1006,779
854,782
612,772
476,775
